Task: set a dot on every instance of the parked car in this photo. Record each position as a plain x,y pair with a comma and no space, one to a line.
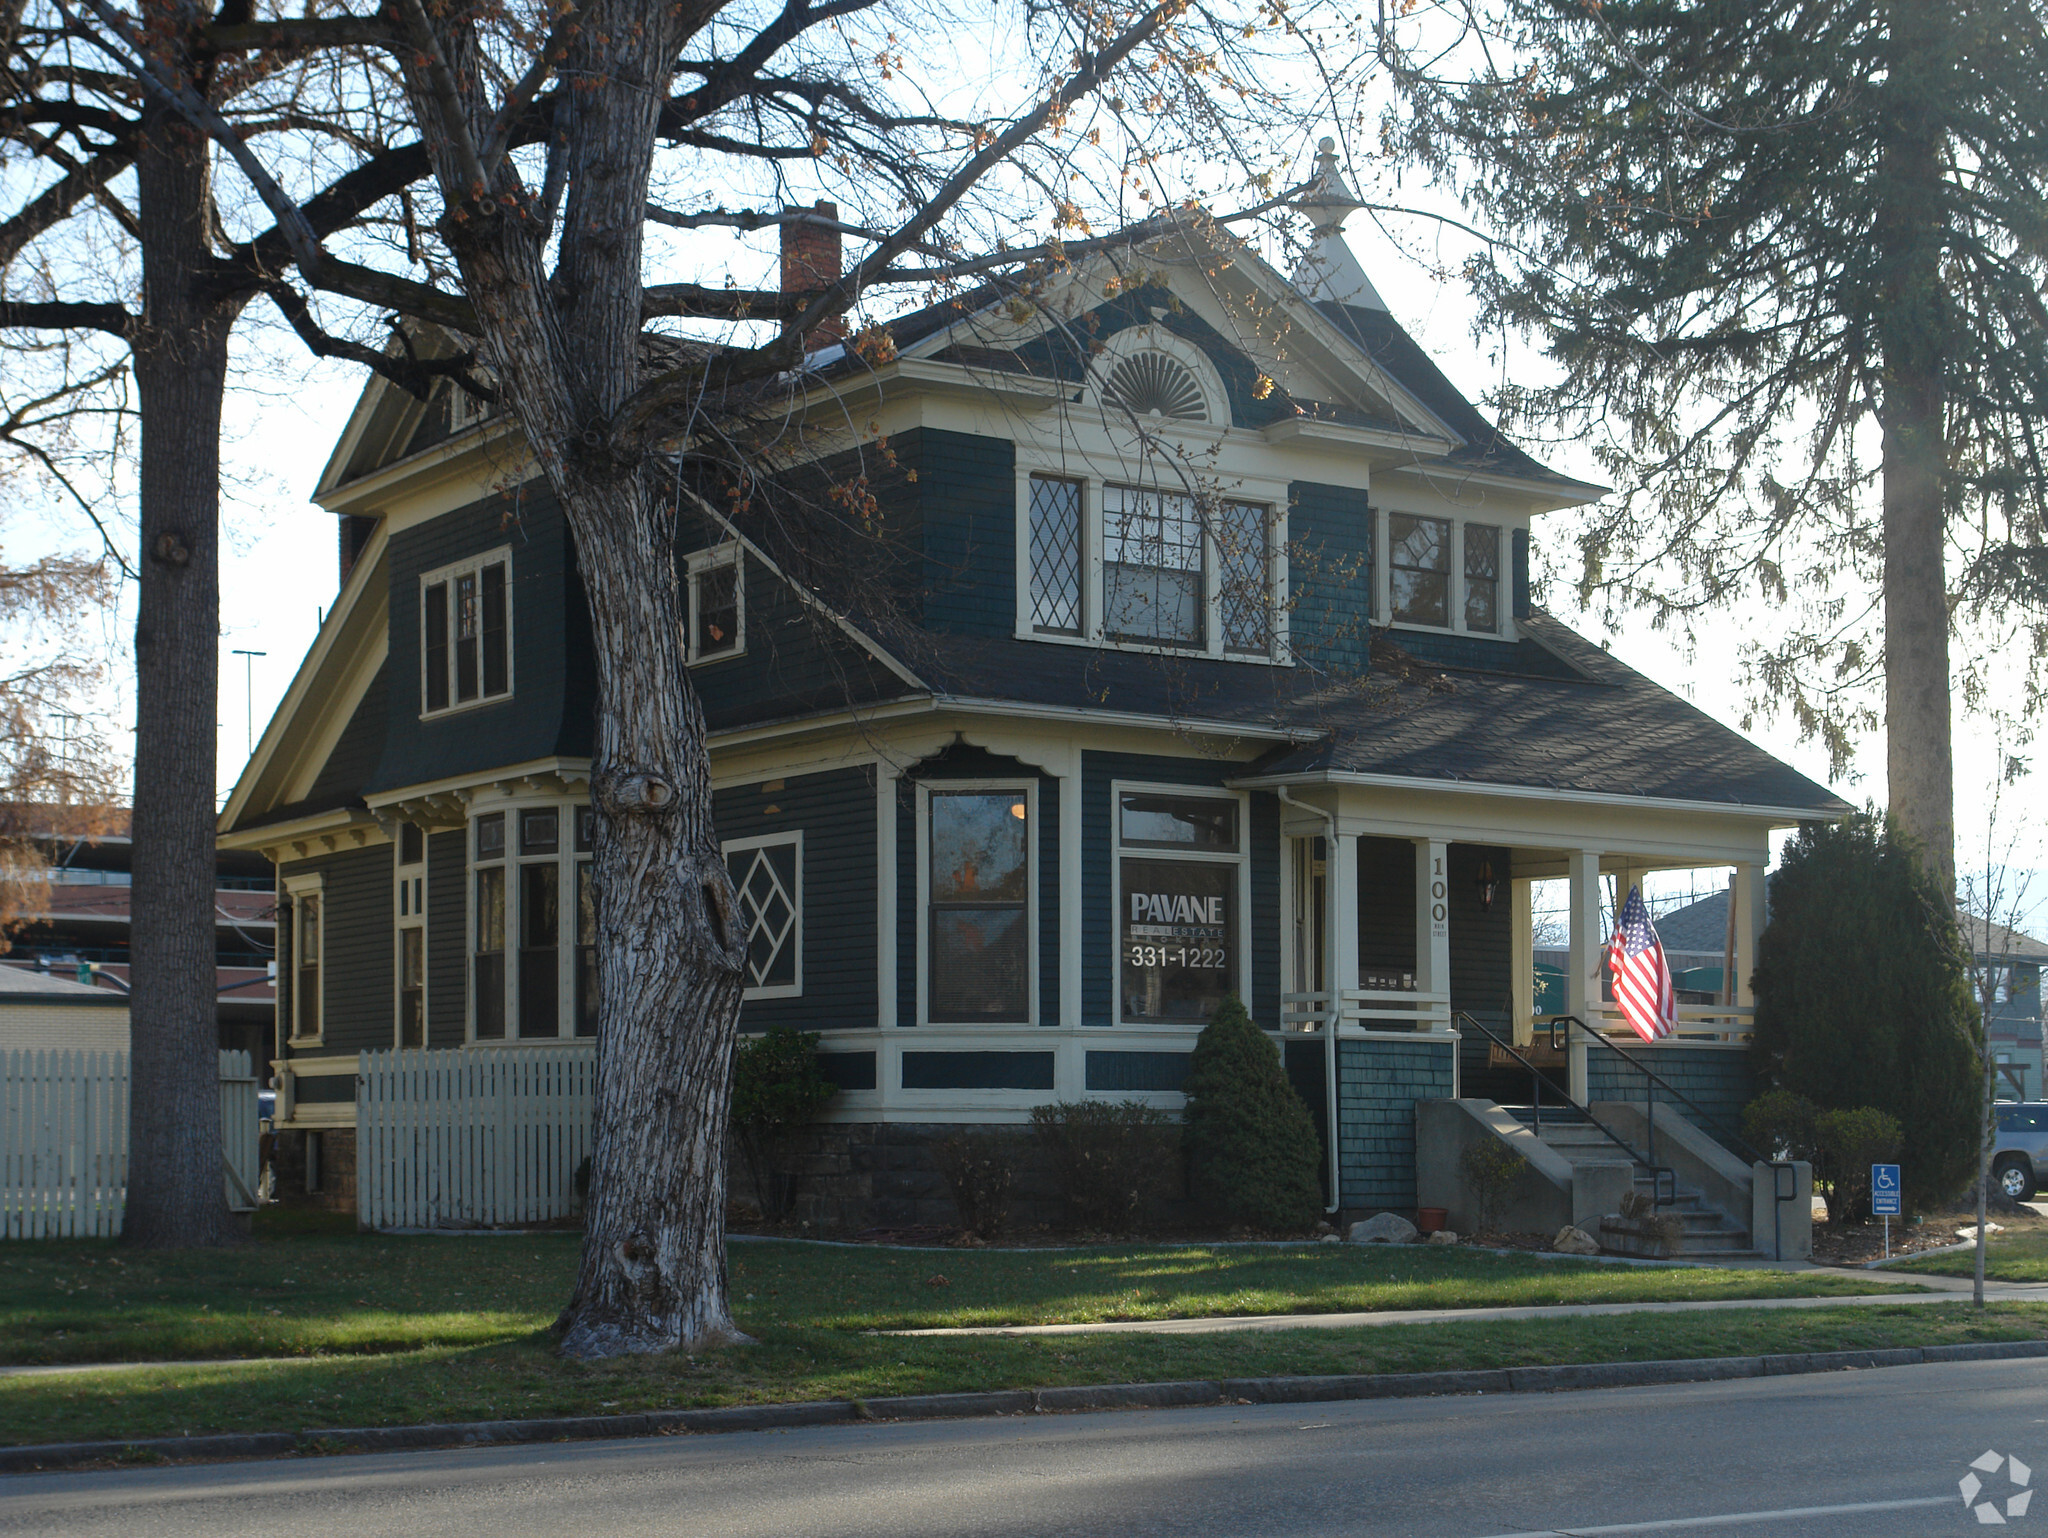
2021,1149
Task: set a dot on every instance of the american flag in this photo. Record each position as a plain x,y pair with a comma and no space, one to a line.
1642,977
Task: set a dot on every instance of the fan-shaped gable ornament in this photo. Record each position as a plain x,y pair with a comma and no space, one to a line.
1149,384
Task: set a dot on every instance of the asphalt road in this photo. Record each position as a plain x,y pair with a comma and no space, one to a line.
1839,1455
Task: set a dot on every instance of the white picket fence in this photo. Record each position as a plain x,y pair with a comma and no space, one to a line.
64,1141
453,1138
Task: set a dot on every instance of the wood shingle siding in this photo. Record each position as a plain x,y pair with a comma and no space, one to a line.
836,812
1718,1079
538,720
967,496
1378,1083
447,938
1329,576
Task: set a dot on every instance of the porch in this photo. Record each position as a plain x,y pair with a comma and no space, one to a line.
1409,974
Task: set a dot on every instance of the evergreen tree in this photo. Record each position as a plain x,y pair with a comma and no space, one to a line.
1251,1145
1780,253
1863,995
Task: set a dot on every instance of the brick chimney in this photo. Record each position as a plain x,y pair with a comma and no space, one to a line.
811,260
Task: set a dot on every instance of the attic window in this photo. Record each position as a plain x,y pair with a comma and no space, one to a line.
1150,384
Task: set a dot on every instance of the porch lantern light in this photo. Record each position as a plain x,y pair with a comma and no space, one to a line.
1486,885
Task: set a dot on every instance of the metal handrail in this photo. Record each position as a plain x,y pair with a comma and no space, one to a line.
1658,1172
1733,1143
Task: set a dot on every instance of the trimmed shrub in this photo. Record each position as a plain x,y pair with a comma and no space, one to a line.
1849,1143
1251,1145
778,1089
1780,1124
1863,996
1112,1161
979,1168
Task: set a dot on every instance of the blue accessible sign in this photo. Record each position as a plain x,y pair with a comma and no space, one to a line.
1884,1191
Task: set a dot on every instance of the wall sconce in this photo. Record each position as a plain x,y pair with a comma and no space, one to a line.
1486,885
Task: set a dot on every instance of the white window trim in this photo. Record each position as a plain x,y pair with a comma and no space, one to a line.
1383,572
408,911
308,884
712,559
795,839
567,859
448,574
1029,789
1242,859
1271,496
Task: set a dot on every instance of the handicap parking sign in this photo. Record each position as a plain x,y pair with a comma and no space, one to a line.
1884,1190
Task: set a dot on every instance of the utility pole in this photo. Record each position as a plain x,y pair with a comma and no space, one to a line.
249,696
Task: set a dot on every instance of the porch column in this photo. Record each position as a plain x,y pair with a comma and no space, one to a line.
1582,978
1432,919
1748,898
1522,956
1340,876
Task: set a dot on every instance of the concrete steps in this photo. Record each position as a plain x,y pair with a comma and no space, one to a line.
1708,1233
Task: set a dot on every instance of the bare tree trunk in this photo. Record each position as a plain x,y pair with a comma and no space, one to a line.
1983,1169
1919,761
175,1194
653,1269
565,348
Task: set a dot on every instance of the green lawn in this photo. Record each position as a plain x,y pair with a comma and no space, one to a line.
2011,1257
525,1378
368,1294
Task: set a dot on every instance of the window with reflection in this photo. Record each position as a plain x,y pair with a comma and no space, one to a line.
1419,568
1179,859
979,935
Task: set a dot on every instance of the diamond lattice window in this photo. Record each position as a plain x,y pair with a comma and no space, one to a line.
769,881
1055,555
1150,384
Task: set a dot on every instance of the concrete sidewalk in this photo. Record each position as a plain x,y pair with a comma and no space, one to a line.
1943,1289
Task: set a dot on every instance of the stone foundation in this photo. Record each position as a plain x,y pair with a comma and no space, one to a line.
857,1175
335,1188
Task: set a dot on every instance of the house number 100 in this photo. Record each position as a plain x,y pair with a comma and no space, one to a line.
1439,912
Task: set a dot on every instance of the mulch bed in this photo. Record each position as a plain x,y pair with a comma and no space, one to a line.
1859,1244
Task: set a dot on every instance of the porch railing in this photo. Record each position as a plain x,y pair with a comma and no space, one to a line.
1696,1022
1381,1009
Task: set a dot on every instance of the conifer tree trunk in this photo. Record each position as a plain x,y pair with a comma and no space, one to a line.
175,1193
1920,765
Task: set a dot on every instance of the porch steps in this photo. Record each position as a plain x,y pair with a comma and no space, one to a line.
1708,1234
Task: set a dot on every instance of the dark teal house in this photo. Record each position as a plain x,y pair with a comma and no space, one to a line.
1186,648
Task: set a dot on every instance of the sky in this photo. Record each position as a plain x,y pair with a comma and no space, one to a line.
279,566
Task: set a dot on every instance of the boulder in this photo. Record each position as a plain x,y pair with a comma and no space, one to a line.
1443,1236
1329,1239
1383,1228
1574,1241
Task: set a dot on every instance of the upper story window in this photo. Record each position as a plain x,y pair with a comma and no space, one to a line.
466,633
1443,573
1141,566
718,603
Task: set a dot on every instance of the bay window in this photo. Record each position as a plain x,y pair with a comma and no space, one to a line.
410,861
488,928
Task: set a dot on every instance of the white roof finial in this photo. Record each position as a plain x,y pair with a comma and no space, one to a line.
1330,271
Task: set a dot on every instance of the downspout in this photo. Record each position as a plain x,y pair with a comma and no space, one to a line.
1330,909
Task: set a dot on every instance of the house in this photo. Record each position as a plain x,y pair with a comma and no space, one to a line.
1194,653
74,934
2007,974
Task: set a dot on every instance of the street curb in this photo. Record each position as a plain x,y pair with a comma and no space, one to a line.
1108,1396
